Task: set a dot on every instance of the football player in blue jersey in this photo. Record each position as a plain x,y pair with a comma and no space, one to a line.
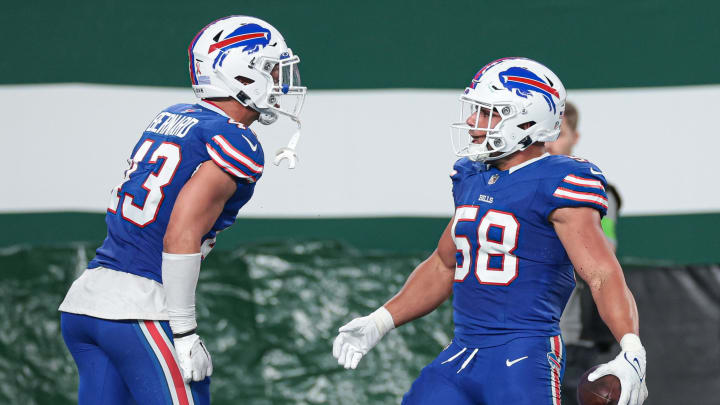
129,319
523,221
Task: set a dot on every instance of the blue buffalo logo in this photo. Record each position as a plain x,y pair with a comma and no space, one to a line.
249,37
522,82
554,361
479,74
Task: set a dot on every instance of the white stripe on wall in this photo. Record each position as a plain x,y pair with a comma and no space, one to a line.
362,152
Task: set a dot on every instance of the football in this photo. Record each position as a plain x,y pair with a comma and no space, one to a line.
603,391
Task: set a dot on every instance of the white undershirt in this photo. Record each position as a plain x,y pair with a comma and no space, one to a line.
111,294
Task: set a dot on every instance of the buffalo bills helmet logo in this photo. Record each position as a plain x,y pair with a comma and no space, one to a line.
479,74
522,81
249,37
554,361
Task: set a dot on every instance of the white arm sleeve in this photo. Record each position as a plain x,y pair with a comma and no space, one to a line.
180,274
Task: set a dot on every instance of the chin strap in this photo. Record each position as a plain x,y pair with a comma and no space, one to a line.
288,152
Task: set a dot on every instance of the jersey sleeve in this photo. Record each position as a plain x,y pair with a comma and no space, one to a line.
577,184
237,151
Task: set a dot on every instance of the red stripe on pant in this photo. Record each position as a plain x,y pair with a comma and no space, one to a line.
170,361
556,371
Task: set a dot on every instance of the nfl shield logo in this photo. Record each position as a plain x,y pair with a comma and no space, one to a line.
493,178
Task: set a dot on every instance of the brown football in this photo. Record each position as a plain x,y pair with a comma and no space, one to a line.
603,391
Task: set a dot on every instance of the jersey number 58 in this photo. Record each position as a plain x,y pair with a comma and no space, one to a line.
497,236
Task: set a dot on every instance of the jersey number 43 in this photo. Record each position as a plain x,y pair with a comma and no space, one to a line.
497,236
145,214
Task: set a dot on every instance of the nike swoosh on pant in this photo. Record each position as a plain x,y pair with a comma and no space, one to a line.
510,363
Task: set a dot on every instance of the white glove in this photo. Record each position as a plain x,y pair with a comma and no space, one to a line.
360,335
629,368
193,358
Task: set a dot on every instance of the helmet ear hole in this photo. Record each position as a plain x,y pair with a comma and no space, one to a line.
526,125
244,80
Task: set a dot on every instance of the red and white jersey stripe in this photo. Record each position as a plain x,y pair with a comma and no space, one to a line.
583,182
581,196
238,156
229,167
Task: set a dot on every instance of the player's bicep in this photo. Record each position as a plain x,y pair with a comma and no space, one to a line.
446,249
197,207
582,237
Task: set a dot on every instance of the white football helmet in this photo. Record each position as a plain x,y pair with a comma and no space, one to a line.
529,98
247,59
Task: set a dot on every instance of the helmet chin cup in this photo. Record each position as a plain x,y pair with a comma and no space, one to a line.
288,153
478,152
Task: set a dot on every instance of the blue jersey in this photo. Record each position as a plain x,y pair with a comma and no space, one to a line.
513,276
169,151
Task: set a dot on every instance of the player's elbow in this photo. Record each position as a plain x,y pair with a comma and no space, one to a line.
595,282
181,240
606,280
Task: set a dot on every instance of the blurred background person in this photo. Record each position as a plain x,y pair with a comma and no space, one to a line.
587,340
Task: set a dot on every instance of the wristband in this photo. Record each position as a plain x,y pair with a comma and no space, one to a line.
383,320
631,342
184,334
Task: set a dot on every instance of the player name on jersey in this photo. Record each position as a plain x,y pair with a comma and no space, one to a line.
167,123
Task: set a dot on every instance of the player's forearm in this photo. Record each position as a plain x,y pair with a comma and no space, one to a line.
429,285
616,304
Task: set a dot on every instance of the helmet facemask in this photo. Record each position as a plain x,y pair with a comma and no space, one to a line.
495,145
288,94
285,93
270,86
